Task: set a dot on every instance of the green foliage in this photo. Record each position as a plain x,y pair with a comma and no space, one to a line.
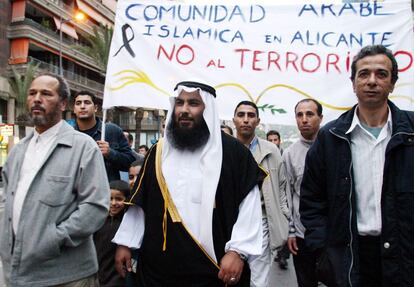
20,83
45,23
100,43
271,108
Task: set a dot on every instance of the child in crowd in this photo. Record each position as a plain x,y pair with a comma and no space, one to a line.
134,171
105,249
133,174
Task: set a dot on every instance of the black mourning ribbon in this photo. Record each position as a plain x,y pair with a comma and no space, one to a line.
126,41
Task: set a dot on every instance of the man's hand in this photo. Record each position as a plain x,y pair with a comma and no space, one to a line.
123,260
231,267
292,245
104,147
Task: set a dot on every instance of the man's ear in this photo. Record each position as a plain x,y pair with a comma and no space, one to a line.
63,105
392,88
353,85
96,108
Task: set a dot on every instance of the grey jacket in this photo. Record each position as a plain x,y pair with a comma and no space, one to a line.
274,192
294,159
66,203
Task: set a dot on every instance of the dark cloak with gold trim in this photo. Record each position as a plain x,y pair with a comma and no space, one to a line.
183,262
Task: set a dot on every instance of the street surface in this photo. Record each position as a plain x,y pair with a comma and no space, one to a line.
283,278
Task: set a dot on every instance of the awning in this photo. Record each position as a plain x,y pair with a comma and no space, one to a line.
67,29
90,12
111,4
18,10
19,50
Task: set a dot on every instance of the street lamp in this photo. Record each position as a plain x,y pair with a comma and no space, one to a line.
79,17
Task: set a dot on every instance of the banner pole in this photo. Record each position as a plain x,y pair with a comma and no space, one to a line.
103,124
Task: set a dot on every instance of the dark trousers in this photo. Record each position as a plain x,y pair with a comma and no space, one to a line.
305,265
370,261
131,277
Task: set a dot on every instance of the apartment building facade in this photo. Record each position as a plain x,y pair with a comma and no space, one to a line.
38,32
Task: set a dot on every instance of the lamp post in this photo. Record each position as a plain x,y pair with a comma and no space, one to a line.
79,16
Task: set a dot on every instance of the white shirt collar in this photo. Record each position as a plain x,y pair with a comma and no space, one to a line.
357,123
47,134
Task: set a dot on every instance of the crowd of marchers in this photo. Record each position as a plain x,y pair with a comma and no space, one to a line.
205,208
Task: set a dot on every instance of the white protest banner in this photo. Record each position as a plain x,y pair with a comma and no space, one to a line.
273,55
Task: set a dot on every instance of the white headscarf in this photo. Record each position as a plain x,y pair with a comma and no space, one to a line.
210,162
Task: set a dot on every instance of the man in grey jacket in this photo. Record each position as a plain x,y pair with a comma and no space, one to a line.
308,114
275,211
56,196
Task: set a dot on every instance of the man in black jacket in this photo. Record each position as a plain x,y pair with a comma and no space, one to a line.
117,154
357,194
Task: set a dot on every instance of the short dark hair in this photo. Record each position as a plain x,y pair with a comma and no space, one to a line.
85,93
247,103
63,89
130,137
120,185
143,146
273,133
318,105
373,50
139,161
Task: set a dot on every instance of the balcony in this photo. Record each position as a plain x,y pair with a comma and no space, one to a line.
60,8
102,9
150,124
33,30
127,122
76,82
57,7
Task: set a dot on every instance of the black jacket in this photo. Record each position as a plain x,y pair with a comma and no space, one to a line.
327,204
120,155
105,250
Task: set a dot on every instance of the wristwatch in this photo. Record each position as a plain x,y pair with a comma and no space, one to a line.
242,257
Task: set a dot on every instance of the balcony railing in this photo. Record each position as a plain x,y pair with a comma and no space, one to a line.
96,4
33,30
127,122
72,78
60,8
68,75
48,31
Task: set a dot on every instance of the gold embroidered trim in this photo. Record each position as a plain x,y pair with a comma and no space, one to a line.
168,203
264,170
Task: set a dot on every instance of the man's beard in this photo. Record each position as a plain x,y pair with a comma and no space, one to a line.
184,138
85,118
46,119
